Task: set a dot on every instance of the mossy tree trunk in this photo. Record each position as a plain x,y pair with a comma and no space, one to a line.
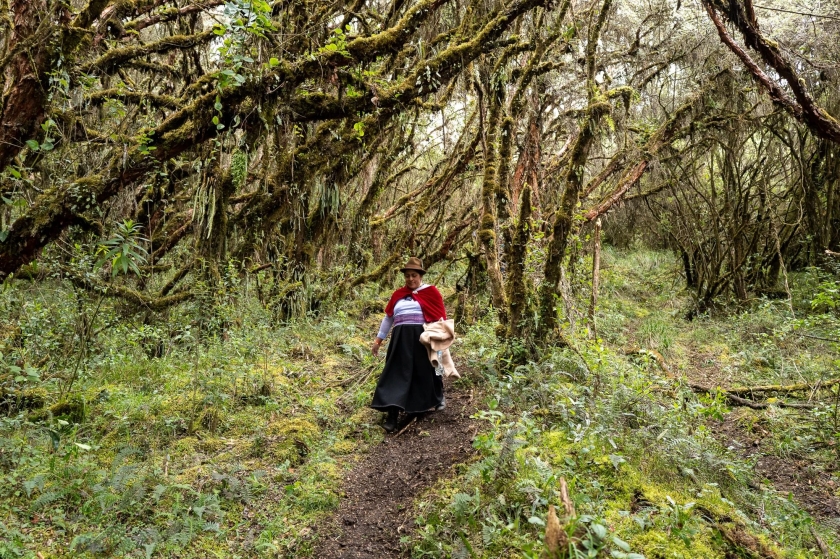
488,224
564,216
517,289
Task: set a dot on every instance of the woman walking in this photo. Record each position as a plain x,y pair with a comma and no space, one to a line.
408,382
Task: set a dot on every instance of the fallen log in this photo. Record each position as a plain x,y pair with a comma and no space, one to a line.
784,388
734,394
738,401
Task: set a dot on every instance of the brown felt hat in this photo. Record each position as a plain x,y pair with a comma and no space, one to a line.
415,264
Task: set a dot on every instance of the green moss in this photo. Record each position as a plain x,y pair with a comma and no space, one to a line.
26,399
290,439
343,447
556,446
186,446
209,419
73,410
659,544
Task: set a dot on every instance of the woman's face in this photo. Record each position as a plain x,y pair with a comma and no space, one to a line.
412,279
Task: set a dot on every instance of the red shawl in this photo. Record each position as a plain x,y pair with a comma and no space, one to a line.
429,298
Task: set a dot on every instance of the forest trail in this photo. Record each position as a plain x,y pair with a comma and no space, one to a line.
808,483
811,487
379,492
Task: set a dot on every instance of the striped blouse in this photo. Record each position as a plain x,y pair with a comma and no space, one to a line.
406,311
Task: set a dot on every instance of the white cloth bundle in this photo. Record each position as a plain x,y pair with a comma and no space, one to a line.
437,337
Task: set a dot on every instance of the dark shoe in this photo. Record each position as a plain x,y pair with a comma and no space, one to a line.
390,424
442,405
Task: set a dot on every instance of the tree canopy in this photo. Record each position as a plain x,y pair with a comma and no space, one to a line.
300,136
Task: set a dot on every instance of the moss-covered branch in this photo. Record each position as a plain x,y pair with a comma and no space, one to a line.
113,59
97,98
802,107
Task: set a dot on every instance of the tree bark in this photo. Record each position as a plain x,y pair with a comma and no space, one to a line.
596,276
24,107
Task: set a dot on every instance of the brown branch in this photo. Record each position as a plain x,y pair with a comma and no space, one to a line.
179,275
174,238
99,97
439,181
171,14
112,60
660,139
607,172
783,388
141,299
804,108
449,241
625,183
655,190
738,401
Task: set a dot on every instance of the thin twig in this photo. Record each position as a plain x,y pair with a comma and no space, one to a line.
797,13
407,425
820,543
832,340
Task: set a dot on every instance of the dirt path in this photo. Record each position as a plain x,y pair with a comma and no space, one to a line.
379,492
807,482
810,485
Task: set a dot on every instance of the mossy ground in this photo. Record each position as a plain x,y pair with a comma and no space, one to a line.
235,447
645,471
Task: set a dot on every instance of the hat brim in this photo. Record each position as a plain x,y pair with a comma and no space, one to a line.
420,270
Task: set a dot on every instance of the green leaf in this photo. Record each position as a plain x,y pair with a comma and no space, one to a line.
623,545
273,62
537,521
82,446
29,486
216,120
33,145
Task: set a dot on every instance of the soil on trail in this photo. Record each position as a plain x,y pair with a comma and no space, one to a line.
813,488
379,492
810,485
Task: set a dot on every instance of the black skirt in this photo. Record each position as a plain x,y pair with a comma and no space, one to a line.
408,381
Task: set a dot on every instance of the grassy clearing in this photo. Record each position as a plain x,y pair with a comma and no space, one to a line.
646,474
769,342
233,447
233,440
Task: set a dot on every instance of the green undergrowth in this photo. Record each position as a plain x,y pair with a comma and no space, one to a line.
778,342
636,446
220,431
232,446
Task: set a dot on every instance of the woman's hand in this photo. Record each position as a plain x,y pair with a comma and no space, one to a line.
374,348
